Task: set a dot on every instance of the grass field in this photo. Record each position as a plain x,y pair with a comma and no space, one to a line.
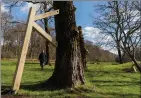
103,80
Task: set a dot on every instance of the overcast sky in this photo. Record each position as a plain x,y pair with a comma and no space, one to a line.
84,12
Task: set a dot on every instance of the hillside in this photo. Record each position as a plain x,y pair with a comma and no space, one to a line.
98,54
95,52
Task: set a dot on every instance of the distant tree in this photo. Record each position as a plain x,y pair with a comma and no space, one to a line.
105,22
129,26
5,26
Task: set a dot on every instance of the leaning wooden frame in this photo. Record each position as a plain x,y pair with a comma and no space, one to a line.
30,24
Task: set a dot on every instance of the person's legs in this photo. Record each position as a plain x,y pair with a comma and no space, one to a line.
41,64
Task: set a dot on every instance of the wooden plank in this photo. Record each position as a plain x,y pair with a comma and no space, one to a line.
22,57
43,33
45,15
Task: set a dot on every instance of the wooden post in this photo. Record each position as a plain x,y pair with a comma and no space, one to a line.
21,60
51,13
43,33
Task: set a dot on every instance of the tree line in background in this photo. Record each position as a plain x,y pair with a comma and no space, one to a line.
14,35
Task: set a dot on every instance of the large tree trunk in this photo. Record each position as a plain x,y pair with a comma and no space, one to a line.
69,69
119,52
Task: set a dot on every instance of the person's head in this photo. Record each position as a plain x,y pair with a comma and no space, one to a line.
43,51
79,28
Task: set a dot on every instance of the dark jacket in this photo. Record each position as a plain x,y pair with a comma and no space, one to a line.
43,57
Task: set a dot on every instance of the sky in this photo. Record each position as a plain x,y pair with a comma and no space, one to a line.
84,12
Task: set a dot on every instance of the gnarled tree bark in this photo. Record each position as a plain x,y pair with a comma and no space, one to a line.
69,69
82,47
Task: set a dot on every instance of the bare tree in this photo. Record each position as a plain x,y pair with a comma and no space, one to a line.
137,5
129,27
105,22
5,26
121,21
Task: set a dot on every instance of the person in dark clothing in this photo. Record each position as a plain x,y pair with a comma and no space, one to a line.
42,59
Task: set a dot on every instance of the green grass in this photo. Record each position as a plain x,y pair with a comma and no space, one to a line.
104,80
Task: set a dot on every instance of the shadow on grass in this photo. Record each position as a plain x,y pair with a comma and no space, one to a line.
38,86
45,86
119,95
115,83
117,73
42,86
99,81
91,73
108,71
